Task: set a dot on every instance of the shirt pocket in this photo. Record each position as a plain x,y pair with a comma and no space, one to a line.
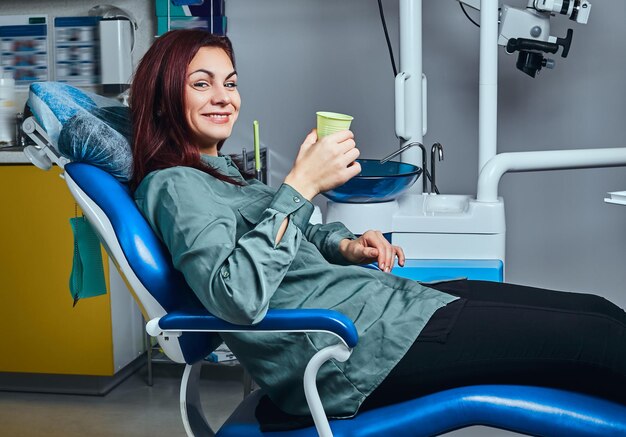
252,213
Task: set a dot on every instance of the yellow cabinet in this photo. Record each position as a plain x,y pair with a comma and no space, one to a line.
42,332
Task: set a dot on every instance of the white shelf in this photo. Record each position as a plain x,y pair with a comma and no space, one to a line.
616,197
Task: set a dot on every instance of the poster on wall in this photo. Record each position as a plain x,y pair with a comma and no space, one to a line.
77,50
24,48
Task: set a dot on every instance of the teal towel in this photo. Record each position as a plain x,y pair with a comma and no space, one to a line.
87,277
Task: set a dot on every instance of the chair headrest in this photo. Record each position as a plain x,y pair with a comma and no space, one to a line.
85,127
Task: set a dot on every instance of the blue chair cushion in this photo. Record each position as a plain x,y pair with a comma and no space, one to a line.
524,409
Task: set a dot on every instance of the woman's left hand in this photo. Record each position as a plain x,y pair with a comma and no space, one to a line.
369,247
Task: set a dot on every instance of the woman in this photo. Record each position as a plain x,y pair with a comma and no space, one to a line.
244,247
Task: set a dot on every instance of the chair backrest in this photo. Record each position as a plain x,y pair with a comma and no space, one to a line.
139,254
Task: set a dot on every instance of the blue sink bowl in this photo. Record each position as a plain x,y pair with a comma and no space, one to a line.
376,183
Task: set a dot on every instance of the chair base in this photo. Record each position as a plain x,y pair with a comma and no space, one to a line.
191,411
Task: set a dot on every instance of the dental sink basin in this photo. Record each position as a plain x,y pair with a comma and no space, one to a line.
377,183
446,204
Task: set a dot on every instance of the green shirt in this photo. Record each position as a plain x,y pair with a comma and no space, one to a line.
221,237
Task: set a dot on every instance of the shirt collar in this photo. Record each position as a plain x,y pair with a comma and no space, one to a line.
222,163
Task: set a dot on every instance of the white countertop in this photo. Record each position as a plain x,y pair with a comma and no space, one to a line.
13,157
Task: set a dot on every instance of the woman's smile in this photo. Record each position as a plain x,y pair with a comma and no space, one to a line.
218,117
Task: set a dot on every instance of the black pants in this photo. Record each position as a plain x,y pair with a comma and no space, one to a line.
503,334
509,334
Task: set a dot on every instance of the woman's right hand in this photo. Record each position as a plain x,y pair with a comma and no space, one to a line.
324,164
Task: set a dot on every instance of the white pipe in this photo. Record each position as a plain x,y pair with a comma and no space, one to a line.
502,163
488,83
411,66
339,352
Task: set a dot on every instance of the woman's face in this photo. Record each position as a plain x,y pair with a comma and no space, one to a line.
211,98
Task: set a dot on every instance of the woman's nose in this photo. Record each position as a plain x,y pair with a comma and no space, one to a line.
221,96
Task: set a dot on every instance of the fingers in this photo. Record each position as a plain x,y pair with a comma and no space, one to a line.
386,252
340,136
341,141
347,150
385,256
343,146
364,253
351,155
352,169
325,163
310,139
400,255
373,246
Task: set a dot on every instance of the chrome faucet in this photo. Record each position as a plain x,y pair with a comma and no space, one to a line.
406,147
438,150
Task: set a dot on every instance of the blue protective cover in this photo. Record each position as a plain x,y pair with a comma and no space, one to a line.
84,127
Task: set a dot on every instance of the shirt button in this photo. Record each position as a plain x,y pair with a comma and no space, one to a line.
225,274
296,199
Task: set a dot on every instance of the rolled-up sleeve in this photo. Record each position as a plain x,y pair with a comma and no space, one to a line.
234,279
290,202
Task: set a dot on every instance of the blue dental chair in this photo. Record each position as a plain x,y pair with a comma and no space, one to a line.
187,332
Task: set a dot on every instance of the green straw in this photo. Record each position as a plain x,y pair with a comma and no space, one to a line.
257,149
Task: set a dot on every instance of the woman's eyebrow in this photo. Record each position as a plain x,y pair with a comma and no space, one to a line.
210,73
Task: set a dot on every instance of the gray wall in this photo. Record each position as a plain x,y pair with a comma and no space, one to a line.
299,56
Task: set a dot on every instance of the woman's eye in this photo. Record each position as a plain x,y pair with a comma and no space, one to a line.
231,84
200,85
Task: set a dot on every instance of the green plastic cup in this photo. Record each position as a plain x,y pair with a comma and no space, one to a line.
331,122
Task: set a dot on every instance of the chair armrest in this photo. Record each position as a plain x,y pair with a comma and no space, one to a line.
278,320
297,320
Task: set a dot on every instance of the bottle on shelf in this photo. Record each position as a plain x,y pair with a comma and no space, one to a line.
7,108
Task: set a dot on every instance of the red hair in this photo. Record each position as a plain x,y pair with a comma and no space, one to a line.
157,102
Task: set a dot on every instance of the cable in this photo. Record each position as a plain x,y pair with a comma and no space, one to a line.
382,18
467,15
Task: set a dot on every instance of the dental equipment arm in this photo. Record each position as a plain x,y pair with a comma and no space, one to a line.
527,31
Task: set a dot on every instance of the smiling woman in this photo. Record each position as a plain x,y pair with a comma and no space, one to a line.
211,98
192,73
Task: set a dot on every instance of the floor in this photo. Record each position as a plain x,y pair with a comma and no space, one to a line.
134,409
